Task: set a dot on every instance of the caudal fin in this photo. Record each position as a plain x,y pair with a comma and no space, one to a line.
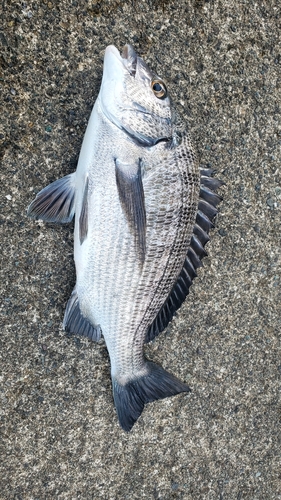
130,399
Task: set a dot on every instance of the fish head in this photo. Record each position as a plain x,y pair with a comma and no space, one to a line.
134,98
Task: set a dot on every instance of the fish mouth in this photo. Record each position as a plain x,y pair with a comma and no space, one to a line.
128,57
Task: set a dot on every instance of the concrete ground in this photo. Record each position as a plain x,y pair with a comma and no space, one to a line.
59,433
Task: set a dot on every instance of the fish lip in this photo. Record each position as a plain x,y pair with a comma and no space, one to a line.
130,58
113,50
129,52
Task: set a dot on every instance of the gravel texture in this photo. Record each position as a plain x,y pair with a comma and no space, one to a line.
59,433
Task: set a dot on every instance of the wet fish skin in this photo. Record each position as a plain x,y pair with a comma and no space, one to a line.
139,235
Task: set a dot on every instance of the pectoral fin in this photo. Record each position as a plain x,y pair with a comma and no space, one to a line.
55,203
83,219
131,195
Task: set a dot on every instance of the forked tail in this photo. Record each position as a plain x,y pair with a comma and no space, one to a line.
130,398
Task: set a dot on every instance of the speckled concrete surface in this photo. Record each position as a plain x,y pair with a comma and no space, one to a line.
59,432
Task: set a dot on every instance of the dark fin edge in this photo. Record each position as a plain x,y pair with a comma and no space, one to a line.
131,195
130,399
83,219
75,323
55,203
207,210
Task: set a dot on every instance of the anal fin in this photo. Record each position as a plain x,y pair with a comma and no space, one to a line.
74,322
55,203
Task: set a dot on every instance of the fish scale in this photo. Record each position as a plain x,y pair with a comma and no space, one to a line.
178,251
141,222
143,296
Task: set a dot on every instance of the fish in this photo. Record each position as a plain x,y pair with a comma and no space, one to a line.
143,211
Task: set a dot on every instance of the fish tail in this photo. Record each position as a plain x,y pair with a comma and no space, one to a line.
131,397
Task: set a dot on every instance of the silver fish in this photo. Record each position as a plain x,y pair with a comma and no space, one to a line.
141,222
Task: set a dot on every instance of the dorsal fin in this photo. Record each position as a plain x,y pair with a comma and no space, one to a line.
207,210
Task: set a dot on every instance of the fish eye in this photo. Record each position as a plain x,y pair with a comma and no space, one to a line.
159,88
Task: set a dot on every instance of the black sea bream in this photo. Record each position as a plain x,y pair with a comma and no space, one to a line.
141,222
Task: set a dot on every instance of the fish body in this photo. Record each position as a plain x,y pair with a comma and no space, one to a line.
139,227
